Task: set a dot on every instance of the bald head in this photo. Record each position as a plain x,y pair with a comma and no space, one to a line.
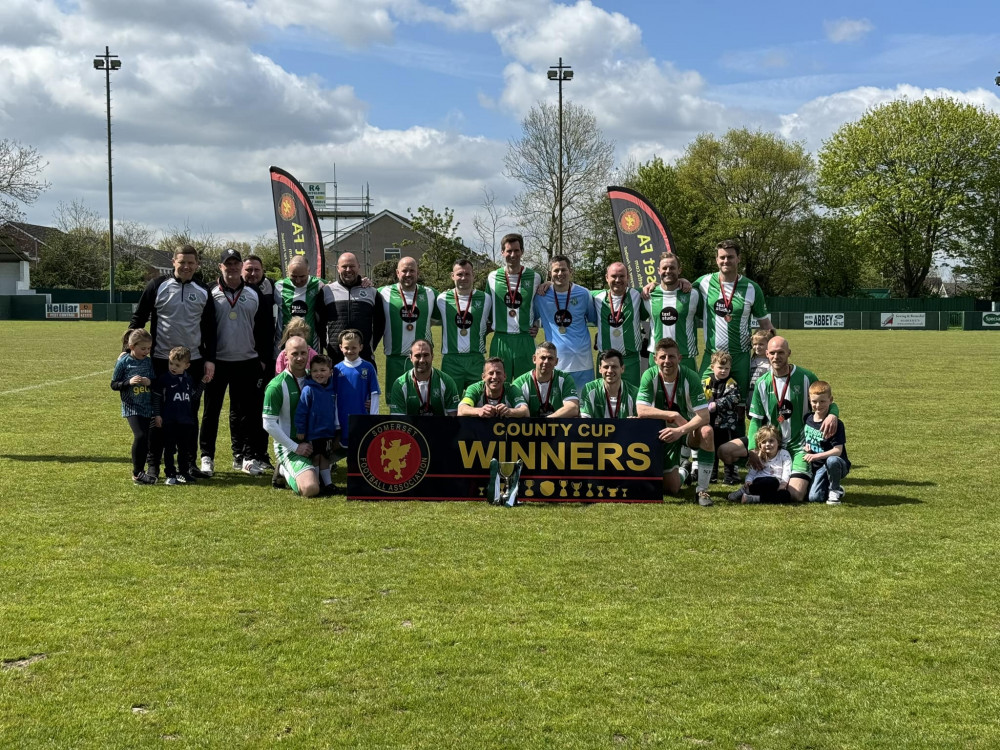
778,353
348,269
298,271
617,278
406,273
297,352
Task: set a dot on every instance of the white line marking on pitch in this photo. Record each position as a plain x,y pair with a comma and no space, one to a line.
49,383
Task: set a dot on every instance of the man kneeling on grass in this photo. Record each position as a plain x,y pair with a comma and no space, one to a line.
674,394
280,402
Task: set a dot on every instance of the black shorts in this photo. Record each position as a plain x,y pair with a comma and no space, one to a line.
322,447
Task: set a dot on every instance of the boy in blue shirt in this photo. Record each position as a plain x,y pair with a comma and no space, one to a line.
827,457
316,417
357,383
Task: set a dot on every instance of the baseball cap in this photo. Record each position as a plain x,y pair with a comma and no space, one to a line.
230,252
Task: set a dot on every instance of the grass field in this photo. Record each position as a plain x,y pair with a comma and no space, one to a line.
230,615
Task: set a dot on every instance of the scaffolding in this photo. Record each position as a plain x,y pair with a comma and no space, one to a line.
347,207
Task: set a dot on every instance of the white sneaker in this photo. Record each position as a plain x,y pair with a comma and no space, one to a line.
747,498
833,499
250,466
207,466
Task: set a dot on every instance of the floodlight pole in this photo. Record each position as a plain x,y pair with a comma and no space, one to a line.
108,62
560,73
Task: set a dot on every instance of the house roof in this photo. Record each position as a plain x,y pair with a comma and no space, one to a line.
385,214
34,232
9,252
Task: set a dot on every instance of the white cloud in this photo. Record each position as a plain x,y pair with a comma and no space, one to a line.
847,29
818,119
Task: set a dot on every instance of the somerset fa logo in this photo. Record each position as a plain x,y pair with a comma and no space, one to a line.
393,457
629,221
286,207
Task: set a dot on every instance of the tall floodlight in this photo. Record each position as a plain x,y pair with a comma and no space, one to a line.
560,73
108,62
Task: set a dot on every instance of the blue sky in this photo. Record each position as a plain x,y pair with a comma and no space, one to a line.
418,98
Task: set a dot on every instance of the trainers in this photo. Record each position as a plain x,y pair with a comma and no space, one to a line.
265,464
207,466
143,478
731,475
171,481
834,498
278,481
188,478
735,497
153,470
704,499
182,478
251,467
751,498
195,474
237,463
328,489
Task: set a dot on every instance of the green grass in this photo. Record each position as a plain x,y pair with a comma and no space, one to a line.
230,615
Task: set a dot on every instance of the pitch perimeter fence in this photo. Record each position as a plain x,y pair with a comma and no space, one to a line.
787,313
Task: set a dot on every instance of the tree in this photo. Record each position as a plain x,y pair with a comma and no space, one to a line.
437,236
20,182
832,262
907,174
979,251
751,186
533,160
488,227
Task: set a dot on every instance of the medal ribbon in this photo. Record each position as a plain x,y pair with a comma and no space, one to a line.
618,407
407,307
509,297
225,293
458,306
774,382
616,316
722,293
670,398
538,391
416,384
556,295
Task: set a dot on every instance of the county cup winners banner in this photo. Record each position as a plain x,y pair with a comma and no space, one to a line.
642,234
298,227
449,458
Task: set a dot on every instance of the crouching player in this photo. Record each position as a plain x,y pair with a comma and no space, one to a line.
281,398
675,395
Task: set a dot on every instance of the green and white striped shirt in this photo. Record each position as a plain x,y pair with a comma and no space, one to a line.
299,302
746,302
594,401
674,315
439,399
405,322
626,336
472,318
522,305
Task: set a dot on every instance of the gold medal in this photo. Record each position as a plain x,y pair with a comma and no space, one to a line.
512,313
462,332
562,330
616,332
232,315
409,326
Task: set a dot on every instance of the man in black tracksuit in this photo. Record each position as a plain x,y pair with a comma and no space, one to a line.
179,312
244,334
349,304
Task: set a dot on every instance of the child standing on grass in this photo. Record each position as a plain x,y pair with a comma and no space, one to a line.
357,385
723,396
133,379
759,365
769,483
828,457
175,392
316,418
